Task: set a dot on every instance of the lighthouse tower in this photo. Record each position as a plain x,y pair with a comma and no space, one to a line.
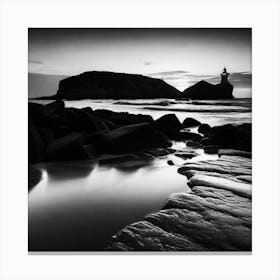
224,76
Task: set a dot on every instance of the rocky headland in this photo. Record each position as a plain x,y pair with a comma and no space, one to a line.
206,91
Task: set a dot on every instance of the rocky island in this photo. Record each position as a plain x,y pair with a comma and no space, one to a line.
110,85
205,90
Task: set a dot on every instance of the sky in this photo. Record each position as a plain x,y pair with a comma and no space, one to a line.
180,56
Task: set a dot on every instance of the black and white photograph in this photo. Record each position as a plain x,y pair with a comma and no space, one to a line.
139,139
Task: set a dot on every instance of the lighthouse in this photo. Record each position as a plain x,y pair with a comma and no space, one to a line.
224,76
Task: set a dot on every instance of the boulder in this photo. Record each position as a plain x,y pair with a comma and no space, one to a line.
35,112
119,119
205,129
186,155
54,108
131,138
207,141
169,125
69,147
190,122
34,176
211,149
160,140
36,145
237,137
186,135
193,144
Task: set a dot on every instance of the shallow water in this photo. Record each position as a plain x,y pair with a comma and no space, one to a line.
213,112
78,206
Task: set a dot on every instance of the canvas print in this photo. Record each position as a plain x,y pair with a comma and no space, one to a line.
139,139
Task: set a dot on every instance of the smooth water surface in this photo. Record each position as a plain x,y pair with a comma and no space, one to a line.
80,205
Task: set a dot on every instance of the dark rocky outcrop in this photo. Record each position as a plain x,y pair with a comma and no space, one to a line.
229,136
193,144
69,147
109,85
204,90
204,129
211,149
186,155
57,133
186,135
190,122
207,141
34,176
237,137
169,125
133,138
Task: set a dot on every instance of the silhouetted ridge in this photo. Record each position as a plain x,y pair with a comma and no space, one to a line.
205,90
110,85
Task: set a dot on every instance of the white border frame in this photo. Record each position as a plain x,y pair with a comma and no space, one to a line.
17,16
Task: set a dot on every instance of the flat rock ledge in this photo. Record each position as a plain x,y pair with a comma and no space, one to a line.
214,216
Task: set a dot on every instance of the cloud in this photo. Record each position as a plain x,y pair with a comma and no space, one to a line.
148,63
35,62
170,73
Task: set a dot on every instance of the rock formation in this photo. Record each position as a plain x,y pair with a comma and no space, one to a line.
109,85
215,216
205,90
59,133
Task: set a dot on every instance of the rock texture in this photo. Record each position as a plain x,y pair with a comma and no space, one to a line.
214,216
109,85
205,90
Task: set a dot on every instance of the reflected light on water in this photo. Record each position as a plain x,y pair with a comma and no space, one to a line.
82,213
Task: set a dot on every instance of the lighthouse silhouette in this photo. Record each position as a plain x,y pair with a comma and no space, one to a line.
224,76
207,91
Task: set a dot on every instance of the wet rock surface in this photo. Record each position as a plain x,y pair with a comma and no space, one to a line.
214,216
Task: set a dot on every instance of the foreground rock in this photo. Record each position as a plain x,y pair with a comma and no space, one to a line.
190,122
237,137
34,176
170,125
132,138
109,85
214,216
58,133
228,136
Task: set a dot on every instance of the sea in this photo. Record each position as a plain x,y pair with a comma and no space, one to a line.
79,205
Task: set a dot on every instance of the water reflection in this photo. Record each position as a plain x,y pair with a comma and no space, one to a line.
72,212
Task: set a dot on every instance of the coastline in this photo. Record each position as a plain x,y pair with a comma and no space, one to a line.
161,149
